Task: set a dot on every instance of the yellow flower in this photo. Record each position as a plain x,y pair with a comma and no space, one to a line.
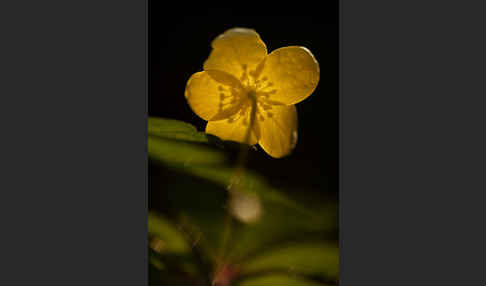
247,95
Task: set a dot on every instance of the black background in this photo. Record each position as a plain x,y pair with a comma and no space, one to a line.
179,43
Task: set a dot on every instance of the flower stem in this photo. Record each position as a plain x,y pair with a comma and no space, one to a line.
234,185
240,163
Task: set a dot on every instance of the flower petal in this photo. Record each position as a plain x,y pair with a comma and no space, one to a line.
213,95
278,130
234,128
236,51
291,74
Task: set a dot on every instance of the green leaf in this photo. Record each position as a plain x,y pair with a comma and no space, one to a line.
196,184
171,240
278,225
177,143
278,279
249,182
282,216
308,259
202,200
180,153
174,129
167,270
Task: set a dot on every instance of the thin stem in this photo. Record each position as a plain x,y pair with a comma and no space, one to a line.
240,162
234,185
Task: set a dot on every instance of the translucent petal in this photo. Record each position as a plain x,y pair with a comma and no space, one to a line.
278,130
213,95
234,128
289,74
237,51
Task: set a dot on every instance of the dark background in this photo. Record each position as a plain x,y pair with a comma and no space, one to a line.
180,41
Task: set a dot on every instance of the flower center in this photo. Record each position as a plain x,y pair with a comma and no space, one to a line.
253,97
258,90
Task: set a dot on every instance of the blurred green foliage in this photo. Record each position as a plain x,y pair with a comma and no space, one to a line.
198,240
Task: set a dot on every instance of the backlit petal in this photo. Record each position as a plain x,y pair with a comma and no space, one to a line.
290,74
236,51
213,95
234,128
278,130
